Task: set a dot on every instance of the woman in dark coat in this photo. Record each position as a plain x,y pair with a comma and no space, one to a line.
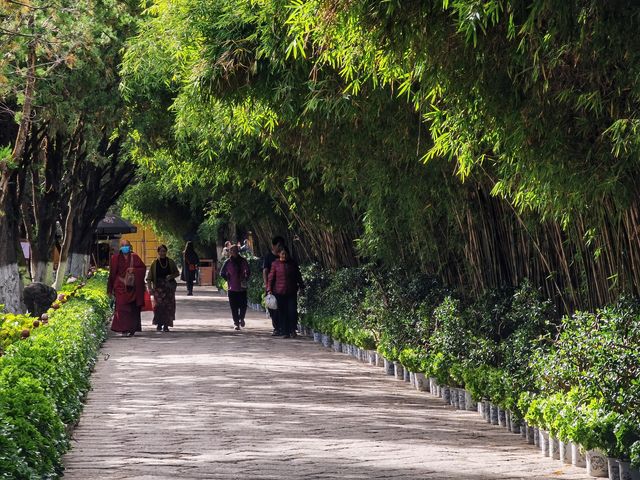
284,282
236,272
190,262
129,299
161,281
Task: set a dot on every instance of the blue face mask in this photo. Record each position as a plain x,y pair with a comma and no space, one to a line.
125,249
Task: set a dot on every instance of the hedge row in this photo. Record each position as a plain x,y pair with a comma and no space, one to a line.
576,376
43,381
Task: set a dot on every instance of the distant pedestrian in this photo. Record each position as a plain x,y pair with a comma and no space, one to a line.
236,272
190,262
161,281
277,243
126,284
284,281
226,250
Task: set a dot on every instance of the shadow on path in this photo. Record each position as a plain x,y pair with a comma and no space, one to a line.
204,401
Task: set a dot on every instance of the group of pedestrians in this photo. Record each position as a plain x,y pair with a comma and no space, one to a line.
128,286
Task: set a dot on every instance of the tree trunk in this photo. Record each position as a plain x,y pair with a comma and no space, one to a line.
66,242
78,264
10,281
80,255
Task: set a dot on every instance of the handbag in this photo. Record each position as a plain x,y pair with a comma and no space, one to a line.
148,304
129,278
270,302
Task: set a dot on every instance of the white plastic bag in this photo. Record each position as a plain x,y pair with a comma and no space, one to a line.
270,302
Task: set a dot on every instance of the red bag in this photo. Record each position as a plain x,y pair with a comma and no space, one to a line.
148,304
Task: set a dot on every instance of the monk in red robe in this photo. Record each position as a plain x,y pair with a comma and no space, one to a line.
129,298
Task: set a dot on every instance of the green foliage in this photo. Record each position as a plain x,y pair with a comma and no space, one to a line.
43,381
255,290
11,326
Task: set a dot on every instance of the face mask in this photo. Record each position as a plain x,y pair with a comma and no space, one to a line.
125,249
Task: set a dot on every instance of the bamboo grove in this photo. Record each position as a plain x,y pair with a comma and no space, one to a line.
481,142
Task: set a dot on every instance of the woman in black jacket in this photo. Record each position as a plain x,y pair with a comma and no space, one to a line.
190,262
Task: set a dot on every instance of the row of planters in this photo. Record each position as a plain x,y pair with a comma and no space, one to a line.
44,377
569,384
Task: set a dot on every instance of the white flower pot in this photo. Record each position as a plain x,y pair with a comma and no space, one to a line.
554,448
578,456
399,370
389,367
523,429
543,442
317,337
536,436
613,468
628,473
470,404
493,412
433,386
407,375
445,394
530,435
379,360
565,452
597,464
502,418
453,396
421,382
337,346
373,360
462,399
515,424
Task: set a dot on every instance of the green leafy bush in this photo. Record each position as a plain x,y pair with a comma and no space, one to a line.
43,380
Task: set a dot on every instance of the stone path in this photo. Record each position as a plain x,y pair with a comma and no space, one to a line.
206,402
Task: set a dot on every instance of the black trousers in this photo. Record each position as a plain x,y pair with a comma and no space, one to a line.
238,304
275,320
287,313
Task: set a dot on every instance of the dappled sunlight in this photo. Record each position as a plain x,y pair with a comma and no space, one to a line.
204,401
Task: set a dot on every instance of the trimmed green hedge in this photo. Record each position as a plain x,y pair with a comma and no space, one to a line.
578,377
43,381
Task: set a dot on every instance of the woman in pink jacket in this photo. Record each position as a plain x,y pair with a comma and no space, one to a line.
284,282
236,272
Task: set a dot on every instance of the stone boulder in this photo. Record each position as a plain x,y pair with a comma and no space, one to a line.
38,298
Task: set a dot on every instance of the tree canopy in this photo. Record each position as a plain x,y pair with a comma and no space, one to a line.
483,142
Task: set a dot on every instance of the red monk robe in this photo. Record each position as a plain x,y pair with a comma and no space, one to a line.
126,317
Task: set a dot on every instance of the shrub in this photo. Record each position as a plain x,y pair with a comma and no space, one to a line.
43,380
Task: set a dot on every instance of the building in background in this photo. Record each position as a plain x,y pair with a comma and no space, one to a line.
145,243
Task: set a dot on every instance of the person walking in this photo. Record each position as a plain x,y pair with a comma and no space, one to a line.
190,262
277,243
236,272
284,281
126,285
161,282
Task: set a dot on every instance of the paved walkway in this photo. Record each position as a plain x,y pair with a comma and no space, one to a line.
206,402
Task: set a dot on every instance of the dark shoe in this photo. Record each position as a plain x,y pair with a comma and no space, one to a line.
165,329
294,335
189,294
130,334
242,322
276,333
287,336
237,327
159,328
